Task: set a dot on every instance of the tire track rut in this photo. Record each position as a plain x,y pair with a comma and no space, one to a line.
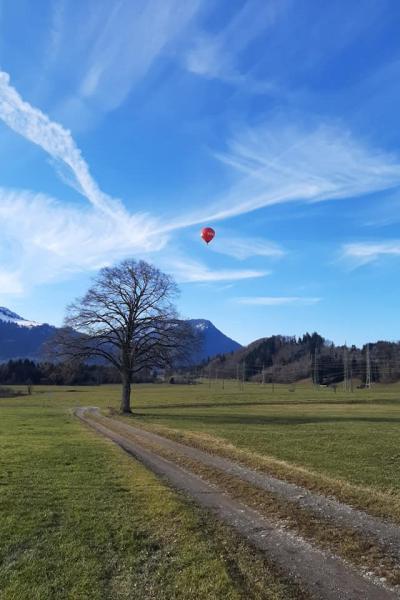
323,575
339,513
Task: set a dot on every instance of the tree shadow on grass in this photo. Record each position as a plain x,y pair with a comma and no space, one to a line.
265,420
292,403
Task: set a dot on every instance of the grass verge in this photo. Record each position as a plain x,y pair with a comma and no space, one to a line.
384,504
79,519
361,550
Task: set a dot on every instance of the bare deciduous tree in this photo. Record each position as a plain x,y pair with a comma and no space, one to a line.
127,318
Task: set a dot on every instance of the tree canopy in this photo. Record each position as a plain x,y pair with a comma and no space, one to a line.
127,318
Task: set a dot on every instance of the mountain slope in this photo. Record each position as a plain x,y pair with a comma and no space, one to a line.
214,341
286,359
21,338
281,358
7,316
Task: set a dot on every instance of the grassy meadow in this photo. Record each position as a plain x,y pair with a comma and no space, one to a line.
351,436
80,519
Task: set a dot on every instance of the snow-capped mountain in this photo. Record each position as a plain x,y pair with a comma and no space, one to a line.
214,341
8,316
21,338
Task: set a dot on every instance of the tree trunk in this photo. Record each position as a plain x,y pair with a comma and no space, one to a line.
126,393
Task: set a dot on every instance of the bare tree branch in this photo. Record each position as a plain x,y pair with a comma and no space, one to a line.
127,318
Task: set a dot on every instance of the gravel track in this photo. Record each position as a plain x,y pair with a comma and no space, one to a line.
386,533
325,577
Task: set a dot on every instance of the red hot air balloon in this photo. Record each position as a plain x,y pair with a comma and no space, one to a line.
207,234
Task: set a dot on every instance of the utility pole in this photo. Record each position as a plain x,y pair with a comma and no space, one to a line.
209,377
263,375
237,375
350,362
315,366
243,374
368,370
351,376
345,368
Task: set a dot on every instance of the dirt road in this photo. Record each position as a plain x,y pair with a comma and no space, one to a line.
323,575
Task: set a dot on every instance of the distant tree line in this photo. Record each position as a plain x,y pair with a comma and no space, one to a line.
279,359
28,372
284,359
25,372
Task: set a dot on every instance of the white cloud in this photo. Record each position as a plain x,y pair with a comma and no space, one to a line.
362,253
215,56
53,239
277,163
277,301
35,126
191,271
242,248
116,45
121,44
387,212
10,283
58,11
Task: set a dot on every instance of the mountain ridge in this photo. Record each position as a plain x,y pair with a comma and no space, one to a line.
214,341
8,316
22,338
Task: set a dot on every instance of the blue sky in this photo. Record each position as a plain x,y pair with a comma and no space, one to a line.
126,126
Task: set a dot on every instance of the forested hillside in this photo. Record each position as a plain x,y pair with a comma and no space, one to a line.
288,359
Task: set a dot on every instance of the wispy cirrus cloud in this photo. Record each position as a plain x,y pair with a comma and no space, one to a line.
272,164
35,126
216,56
361,253
10,282
278,301
54,239
242,248
131,38
115,47
387,212
56,30
276,163
191,271
76,238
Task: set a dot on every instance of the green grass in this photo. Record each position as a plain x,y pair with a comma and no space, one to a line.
353,436
80,519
